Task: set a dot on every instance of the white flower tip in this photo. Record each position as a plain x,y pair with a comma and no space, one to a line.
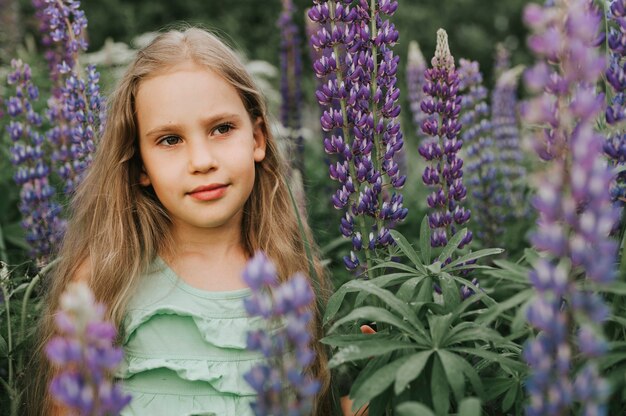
443,58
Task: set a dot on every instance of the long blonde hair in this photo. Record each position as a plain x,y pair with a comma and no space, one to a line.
118,226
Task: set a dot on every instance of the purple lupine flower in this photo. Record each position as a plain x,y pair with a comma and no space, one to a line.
282,385
415,72
615,146
62,25
504,121
40,213
84,352
486,197
290,82
444,174
364,67
75,108
575,210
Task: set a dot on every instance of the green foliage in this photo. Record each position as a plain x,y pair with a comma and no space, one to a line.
428,346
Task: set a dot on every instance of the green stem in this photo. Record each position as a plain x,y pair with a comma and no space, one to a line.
20,335
7,306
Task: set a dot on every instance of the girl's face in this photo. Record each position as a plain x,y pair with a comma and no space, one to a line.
198,146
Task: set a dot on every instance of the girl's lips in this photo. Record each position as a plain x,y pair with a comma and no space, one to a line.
209,194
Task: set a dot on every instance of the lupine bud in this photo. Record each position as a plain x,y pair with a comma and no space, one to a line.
443,106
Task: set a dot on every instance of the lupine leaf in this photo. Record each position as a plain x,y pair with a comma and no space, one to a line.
333,305
509,398
450,291
439,388
376,314
473,256
510,271
455,365
411,370
425,240
470,406
407,290
452,245
366,349
376,383
439,325
396,265
408,251
511,302
500,359
413,409
391,301
342,340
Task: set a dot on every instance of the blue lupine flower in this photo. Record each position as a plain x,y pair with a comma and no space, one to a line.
282,384
486,197
574,206
290,82
615,146
444,174
364,83
40,213
505,126
84,352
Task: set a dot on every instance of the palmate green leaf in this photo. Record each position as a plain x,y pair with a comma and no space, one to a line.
384,281
485,298
367,349
376,314
450,292
473,256
455,368
398,266
509,398
470,331
495,312
425,240
375,383
407,289
501,359
343,340
333,305
497,386
411,370
452,245
511,272
439,325
413,409
408,251
390,300
439,388
470,406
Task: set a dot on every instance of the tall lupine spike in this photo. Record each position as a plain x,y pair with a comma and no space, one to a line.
282,385
504,120
359,42
86,358
575,211
615,146
444,174
290,82
75,110
40,213
486,198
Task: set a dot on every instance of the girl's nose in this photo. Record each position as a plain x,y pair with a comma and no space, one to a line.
201,156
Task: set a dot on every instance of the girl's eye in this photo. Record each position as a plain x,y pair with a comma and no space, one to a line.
169,140
223,128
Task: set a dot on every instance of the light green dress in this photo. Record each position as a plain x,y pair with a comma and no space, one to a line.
185,349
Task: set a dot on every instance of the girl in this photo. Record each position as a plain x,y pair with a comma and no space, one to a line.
185,186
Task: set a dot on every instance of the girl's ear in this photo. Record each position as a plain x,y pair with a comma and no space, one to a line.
144,179
260,140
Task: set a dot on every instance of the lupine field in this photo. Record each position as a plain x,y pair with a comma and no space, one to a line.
465,188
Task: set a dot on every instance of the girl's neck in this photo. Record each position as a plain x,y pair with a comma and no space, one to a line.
208,259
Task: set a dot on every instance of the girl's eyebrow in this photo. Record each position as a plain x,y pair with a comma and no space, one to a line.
207,121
